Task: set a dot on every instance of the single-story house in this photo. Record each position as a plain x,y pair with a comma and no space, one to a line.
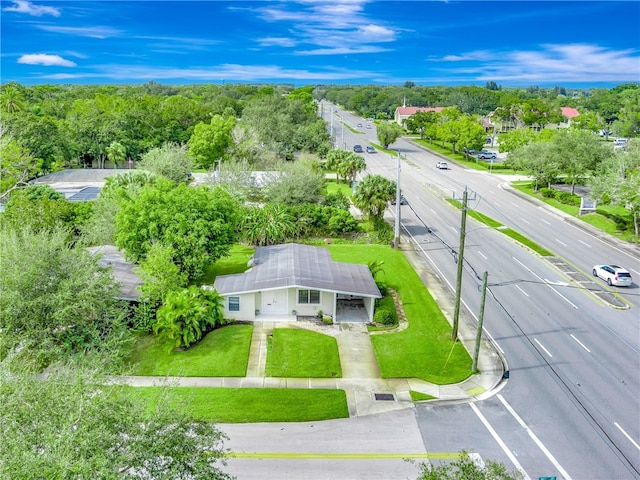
404,112
291,280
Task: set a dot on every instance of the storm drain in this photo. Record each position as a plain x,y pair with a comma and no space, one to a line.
384,396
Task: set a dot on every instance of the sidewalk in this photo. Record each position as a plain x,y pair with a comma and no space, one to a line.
367,393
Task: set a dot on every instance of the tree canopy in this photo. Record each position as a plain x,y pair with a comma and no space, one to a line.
198,222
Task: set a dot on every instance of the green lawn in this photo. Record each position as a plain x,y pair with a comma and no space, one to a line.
302,353
594,219
223,352
334,187
251,405
235,262
517,236
424,350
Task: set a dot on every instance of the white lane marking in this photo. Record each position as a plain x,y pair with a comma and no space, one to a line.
542,347
635,271
523,292
546,282
432,210
453,228
585,243
515,204
544,221
481,254
453,290
497,438
525,221
561,243
580,343
533,436
627,435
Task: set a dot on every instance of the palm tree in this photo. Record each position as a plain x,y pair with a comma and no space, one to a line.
373,194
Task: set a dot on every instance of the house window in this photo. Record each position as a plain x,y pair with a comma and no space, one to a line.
234,304
309,297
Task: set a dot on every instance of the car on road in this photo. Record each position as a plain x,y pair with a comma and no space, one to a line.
368,125
486,155
403,201
442,165
359,125
613,275
357,148
370,149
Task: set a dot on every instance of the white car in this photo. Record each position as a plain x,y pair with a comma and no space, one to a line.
613,275
442,166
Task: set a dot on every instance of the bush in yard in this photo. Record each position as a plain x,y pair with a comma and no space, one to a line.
188,314
384,316
341,221
547,192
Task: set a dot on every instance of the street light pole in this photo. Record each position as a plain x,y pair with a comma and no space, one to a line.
483,296
463,226
396,241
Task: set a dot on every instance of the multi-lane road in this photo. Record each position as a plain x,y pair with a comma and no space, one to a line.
571,407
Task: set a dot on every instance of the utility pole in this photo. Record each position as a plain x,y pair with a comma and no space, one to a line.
396,241
483,296
463,226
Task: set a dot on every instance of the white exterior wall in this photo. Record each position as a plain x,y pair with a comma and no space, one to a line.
326,303
247,307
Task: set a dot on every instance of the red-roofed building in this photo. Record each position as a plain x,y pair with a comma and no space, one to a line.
569,112
402,113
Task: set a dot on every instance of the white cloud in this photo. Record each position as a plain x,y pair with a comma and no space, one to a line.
277,41
46,60
343,50
93,32
22,6
225,72
551,64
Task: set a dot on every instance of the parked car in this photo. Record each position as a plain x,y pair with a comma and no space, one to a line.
370,149
613,275
357,148
442,165
403,201
470,151
368,125
485,155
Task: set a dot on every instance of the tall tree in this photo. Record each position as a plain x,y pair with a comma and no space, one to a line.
198,222
388,133
211,142
72,424
172,161
373,194
55,301
294,183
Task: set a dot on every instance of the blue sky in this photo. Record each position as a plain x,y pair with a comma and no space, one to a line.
545,43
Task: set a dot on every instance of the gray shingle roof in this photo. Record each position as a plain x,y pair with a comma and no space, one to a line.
122,270
300,266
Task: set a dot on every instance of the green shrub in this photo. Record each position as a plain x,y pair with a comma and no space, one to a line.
568,198
382,286
548,192
384,317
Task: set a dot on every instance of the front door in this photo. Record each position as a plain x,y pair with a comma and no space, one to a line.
274,302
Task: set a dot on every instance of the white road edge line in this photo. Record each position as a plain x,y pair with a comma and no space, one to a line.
544,449
547,284
580,343
452,289
544,221
525,221
497,438
523,292
542,347
627,435
585,243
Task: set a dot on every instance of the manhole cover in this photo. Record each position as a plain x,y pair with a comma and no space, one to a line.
384,396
